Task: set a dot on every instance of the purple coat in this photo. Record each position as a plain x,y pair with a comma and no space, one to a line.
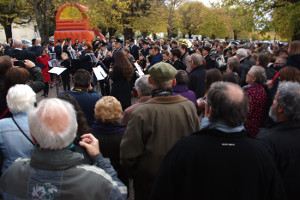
184,91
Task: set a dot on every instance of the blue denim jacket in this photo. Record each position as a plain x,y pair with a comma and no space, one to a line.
13,144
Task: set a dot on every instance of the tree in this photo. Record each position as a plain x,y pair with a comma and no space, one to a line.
153,20
191,18
173,16
216,23
240,20
17,11
273,15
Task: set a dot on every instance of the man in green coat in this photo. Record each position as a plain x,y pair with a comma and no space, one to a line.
154,128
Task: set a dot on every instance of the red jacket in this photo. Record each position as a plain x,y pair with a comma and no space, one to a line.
44,61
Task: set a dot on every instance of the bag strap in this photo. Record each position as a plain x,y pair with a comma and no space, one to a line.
22,131
4,113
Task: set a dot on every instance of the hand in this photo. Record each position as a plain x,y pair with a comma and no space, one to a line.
13,60
29,64
91,144
270,84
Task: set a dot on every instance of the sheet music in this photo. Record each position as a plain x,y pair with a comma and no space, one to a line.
57,70
53,63
73,54
140,72
99,73
52,56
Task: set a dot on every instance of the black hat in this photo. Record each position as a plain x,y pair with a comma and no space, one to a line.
131,40
103,44
59,41
206,48
119,41
145,42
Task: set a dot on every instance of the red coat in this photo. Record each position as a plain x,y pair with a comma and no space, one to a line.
44,61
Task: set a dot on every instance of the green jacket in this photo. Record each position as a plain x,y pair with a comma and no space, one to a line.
152,130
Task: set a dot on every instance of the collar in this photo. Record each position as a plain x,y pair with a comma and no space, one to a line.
47,159
167,99
80,90
18,49
162,92
180,88
207,124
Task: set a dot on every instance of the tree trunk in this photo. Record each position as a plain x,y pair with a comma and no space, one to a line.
144,34
42,18
190,34
235,35
128,33
8,31
111,32
296,32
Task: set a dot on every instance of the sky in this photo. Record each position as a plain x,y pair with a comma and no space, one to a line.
207,2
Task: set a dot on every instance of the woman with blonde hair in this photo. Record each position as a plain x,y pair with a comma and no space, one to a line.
109,131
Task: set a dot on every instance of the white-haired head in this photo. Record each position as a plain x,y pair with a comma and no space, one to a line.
53,124
242,52
20,99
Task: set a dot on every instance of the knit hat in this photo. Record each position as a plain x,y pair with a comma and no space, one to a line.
162,72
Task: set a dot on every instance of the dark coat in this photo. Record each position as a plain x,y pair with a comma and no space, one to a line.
86,101
120,88
110,136
58,52
134,51
197,81
209,63
85,62
156,59
282,140
22,54
179,65
294,61
245,67
37,50
212,164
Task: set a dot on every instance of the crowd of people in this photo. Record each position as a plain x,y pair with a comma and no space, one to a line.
214,120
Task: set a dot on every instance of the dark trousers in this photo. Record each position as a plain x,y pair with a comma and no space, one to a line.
46,88
66,82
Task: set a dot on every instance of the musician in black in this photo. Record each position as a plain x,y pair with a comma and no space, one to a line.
86,60
134,50
144,52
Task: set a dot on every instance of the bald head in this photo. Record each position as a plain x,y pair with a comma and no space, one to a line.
17,43
228,102
53,124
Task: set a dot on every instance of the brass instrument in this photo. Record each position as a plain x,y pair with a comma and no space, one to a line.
140,54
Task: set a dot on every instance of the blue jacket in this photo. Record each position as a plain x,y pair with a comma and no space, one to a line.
13,143
86,101
156,59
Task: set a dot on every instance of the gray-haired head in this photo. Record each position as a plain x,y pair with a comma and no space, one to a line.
143,86
182,77
20,98
197,59
242,52
234,65
53,124
228,102
259,73
289,98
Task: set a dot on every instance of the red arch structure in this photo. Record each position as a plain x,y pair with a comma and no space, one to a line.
72,22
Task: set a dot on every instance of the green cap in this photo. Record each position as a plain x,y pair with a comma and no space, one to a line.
162,72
